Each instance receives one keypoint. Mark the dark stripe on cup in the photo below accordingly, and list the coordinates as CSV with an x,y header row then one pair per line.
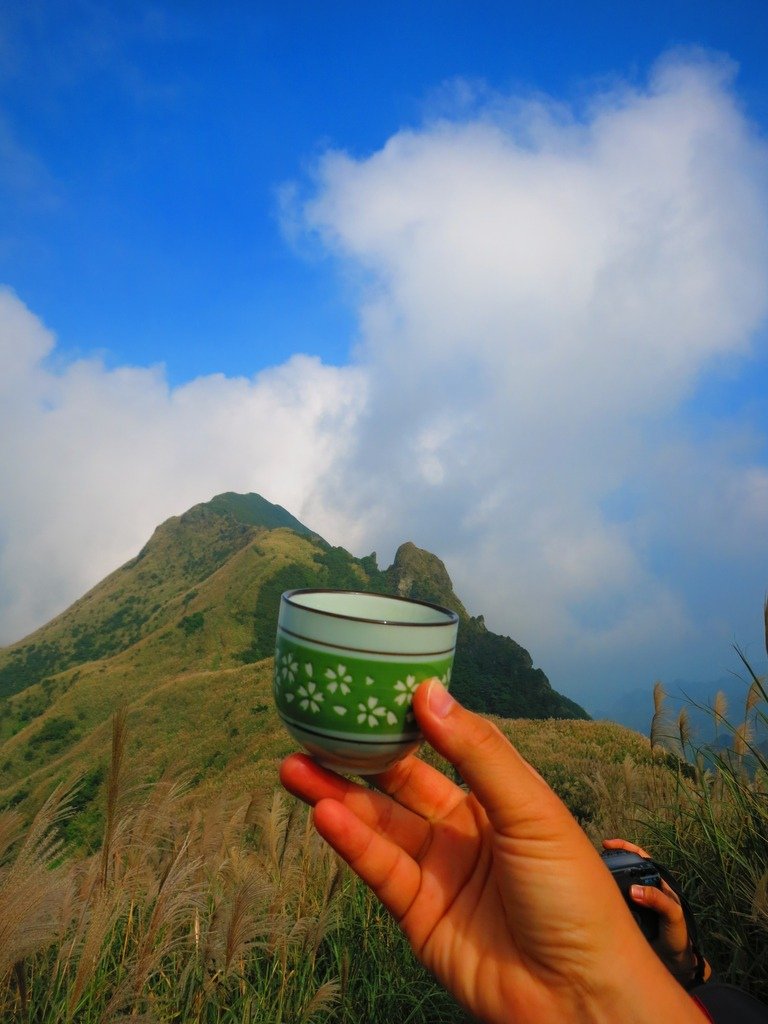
x,y
378,740
362,650
292,597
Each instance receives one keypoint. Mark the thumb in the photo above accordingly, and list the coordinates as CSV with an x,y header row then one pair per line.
x,y
513,794
664,905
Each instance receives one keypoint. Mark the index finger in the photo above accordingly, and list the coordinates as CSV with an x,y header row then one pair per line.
x,y
422,789
311,783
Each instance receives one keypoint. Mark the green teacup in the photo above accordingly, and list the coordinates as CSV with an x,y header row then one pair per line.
x,y
346,667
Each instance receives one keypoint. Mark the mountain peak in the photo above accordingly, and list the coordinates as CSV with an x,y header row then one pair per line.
x,y
421,575
253,510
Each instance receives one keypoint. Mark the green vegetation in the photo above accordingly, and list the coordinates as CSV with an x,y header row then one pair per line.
x,y
27,665
142,891
257,511
331,568
289,577
708,821
192,623
136,600
53,733
230,909
234,911
495,675
182,633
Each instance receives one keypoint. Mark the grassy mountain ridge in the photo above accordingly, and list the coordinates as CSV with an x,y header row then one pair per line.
x,y
183,635
492,673
129,604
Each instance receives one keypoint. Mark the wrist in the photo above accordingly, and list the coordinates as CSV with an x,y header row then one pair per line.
x,y
642,992
690,968
684,965
700,973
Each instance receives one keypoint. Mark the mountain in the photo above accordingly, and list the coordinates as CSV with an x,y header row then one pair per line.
x,y
183,635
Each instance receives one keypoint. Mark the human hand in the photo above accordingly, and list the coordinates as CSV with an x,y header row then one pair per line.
x,y
499,891
673,945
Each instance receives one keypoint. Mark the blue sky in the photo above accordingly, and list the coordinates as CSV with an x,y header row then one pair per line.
x,y
195,196
151,141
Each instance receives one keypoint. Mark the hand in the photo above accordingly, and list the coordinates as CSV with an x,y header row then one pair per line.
x,y
499,891
673,945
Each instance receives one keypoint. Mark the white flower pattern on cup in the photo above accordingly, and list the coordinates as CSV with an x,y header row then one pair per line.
x,y
405,690
372,712
312,698
338,679
288,668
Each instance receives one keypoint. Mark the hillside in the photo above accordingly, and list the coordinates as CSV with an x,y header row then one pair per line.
x,y
183,634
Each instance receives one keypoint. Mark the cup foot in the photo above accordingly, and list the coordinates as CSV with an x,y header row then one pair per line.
x,y
359,768
351,757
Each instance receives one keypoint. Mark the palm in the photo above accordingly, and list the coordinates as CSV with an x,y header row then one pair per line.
x,y
452,921
470,897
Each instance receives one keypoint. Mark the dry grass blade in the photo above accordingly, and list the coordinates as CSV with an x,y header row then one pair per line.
x,y
177,899
210,832
659,724
151,819
629,778
244,926
760,900
276,828
742,737
754,696
658,697
239,919
115,787
335,880
720,709
322,1001
103,915
32,891
684,727
11,824
130,1018
256,810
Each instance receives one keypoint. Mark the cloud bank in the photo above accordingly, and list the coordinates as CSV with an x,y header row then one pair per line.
x,y
542,294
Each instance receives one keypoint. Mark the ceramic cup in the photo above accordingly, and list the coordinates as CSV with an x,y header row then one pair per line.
x,y
346,668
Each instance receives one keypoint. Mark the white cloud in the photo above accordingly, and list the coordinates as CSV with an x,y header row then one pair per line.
x,y
93,459
541,293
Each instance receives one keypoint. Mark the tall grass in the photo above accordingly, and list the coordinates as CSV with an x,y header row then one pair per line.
x,y
707,819
231,912
236,912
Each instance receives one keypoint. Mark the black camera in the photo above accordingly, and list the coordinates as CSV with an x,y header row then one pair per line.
x,y
632,869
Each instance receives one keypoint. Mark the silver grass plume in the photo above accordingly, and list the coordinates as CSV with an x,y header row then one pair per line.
x,y
658,722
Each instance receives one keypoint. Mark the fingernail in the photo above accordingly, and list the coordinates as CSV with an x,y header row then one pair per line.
x,y
439,700
637,892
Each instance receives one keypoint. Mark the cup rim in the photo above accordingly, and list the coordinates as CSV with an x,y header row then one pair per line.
x,y
452,617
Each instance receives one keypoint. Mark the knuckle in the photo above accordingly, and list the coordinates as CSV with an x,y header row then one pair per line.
x,y
487,737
